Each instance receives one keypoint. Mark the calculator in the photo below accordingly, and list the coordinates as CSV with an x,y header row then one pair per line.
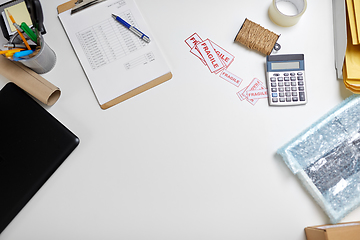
x,y
285,79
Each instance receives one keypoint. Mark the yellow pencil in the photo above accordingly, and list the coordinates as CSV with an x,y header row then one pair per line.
x,y
21,35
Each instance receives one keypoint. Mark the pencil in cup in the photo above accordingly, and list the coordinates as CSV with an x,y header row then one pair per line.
x,y
42,60
21,35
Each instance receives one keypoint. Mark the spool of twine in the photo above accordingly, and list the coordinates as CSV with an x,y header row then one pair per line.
x,y
255,37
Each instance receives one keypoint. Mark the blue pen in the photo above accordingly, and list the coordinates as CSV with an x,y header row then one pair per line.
x,y
133,29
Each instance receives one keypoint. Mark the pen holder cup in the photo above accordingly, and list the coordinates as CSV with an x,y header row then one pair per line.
x,y
43,61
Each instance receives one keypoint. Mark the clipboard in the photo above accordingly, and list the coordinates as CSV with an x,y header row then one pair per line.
x,y
133,92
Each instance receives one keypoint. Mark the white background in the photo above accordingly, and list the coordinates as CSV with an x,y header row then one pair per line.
x,y
187,159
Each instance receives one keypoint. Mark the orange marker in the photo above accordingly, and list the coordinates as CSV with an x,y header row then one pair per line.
x,y
20,34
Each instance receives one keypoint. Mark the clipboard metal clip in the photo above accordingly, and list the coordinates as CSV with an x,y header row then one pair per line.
x,y
82,4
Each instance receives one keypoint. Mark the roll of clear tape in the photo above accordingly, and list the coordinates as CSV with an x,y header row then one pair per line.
x,y
283,19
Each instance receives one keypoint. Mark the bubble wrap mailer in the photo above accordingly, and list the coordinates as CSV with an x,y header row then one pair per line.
x,y
326,159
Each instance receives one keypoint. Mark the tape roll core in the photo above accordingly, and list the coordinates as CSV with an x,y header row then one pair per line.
x,y
282,19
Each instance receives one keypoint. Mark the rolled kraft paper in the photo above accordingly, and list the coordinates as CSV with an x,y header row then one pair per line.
x,y
281,18
29,81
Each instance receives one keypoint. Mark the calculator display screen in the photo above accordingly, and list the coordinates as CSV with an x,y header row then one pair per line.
x,y
285,65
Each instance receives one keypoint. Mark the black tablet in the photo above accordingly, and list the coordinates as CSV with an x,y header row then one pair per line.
x,y
33,144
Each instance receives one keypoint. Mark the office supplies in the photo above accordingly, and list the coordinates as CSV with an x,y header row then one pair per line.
x,y
83,4
29,32
346,36
20,34
9,55
326,159
351,62
33,145
42,60
218,61
11,51
34,40
255,86
352,21
133,29
351,72
23,53
21,30
211,54
285,79
258,38
355,12
15,45
284,19
231,78
29,81
117,63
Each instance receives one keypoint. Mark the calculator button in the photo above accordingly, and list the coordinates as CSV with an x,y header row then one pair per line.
x,y
302,96
286,88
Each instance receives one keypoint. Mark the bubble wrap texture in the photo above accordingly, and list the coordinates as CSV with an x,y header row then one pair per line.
x,y
326,158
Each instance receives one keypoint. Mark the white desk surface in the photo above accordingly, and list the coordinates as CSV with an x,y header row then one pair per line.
x,y
187,159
